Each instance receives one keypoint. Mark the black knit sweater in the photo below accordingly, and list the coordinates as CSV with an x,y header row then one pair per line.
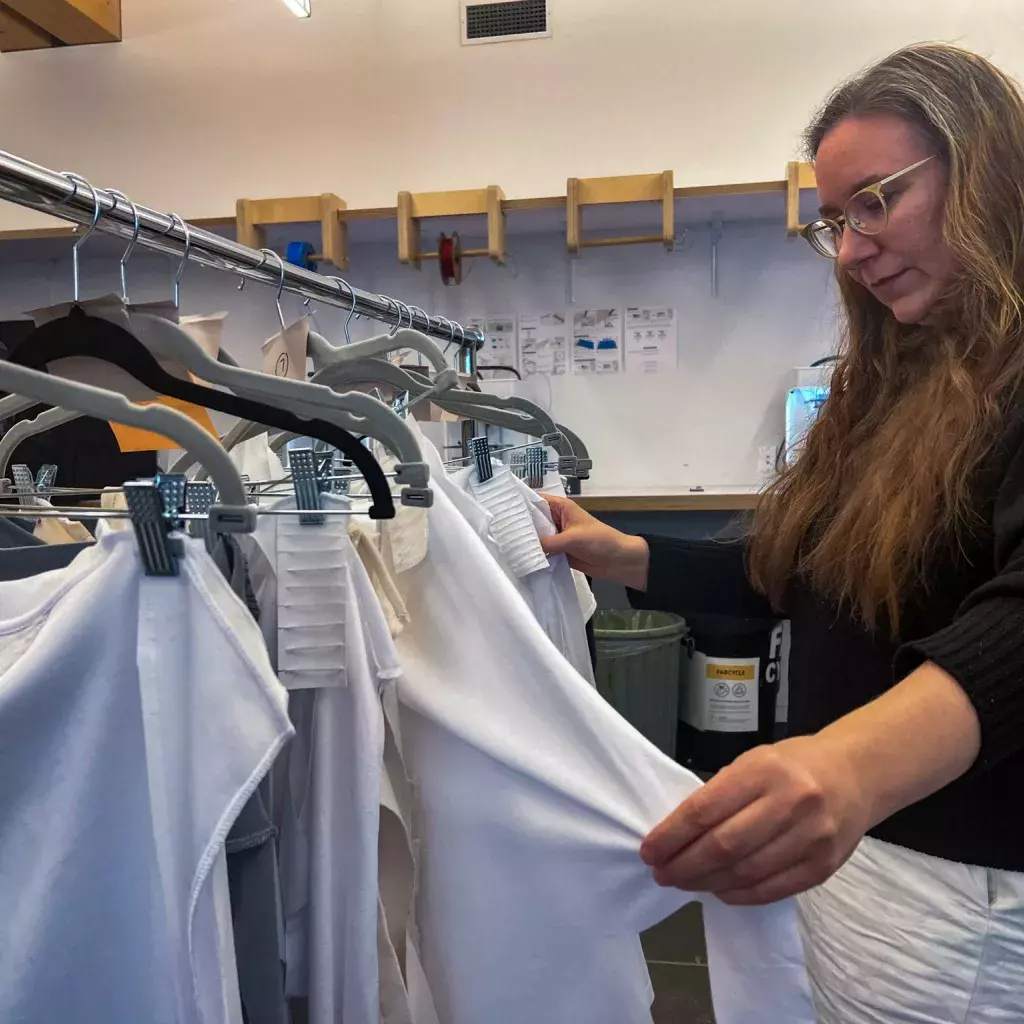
x,y
969,620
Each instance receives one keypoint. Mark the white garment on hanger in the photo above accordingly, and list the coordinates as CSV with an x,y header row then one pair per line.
x,y
588,603
137,715
322,617
551,591
533,796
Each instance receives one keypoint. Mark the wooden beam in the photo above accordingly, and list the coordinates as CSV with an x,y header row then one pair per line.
x,y
247,231
497,225
626,188
18,33
668,211
573,216
333,231
408,232
73,21
798,176
464,202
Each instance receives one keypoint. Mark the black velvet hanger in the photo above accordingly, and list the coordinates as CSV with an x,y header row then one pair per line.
x,y
78,334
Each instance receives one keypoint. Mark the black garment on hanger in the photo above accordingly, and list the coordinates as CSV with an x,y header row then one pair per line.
x,y
78,334
85,452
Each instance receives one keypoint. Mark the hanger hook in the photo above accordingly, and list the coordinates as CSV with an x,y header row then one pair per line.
x,y
392,302
421,311
280,287
187,232
408,312
451,328
137,227
76,180
263,259
351,312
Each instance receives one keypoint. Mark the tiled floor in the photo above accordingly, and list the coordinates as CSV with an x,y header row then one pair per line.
x,y
677,960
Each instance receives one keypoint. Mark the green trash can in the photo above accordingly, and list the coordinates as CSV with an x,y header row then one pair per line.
x,y
638,669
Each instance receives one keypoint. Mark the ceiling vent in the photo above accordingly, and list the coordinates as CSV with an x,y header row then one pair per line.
x,y
504,20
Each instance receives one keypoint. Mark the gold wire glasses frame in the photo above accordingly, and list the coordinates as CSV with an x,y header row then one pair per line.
x,y
866,211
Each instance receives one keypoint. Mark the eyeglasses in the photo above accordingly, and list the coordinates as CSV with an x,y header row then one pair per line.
x,y
866,211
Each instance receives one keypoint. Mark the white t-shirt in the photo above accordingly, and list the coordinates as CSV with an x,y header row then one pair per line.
x,y
533,796
338,850
137,715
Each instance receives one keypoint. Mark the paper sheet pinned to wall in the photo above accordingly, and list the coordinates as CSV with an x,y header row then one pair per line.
x,y
597,341
500,343
544,344
652,339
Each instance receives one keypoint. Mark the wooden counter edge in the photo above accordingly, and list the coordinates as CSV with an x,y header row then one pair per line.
x,y
684,501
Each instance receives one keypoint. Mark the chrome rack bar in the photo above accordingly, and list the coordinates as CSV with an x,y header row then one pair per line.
x,y
59,195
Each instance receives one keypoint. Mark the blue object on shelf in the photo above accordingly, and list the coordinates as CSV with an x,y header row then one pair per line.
x,y
300,254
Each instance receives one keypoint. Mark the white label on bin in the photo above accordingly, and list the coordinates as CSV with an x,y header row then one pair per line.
x,y
721,693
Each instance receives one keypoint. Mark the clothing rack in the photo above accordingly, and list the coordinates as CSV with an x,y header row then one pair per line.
x,y
71,198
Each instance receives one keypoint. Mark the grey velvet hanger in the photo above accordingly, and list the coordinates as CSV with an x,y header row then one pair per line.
x,y
231,514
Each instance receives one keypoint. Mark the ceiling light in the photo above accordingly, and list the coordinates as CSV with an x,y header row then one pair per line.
x,y
300,8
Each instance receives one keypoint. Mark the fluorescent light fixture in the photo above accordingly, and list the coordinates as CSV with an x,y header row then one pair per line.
x,y
300,8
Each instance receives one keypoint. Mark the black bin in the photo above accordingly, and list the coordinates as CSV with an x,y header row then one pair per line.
x,y
728,686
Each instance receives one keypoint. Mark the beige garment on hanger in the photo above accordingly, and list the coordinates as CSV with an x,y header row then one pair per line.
x,y
404,993
391,602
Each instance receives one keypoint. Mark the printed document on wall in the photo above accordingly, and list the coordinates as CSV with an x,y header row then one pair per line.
x,y
597,341
544,344
500,346
652,339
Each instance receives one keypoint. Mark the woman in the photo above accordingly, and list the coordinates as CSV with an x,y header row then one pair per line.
x,y
895,545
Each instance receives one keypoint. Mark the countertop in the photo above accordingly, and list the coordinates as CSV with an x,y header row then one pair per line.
x,y
673,498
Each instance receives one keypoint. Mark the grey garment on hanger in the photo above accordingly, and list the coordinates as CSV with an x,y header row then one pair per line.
x,y
254,882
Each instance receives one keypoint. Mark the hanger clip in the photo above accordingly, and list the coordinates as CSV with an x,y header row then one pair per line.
x,y
29,490
480,449
199,499
160,552
534,459
307,487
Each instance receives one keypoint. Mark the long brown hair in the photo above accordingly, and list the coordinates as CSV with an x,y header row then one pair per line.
x,y
885,476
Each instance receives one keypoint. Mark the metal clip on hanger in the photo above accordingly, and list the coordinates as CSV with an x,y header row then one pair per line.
x,y
27,489
307,487
480,449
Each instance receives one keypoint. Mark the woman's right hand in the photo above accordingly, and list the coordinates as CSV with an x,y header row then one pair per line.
x,y
594,548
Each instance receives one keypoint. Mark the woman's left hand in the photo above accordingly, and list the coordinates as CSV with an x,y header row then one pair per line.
x,y
778,820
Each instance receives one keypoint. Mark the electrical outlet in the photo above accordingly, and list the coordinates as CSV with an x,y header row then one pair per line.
x,y
766,460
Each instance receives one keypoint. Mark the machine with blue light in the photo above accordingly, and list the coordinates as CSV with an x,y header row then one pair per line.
x,y
803,401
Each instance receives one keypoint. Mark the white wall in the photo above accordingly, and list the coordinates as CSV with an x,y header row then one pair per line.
x,y
700,425
209,100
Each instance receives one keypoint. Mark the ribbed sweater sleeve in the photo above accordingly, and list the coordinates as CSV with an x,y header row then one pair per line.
x,y
699,577
983,647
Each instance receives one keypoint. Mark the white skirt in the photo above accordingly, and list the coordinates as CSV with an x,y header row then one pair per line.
x,y
897,937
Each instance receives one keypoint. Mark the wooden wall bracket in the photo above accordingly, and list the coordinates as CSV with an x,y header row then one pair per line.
x,y
626,188
415,206
62,22
799,175
18,33
252,216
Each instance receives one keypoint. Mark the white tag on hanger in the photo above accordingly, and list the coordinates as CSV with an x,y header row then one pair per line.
x,y
284,355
